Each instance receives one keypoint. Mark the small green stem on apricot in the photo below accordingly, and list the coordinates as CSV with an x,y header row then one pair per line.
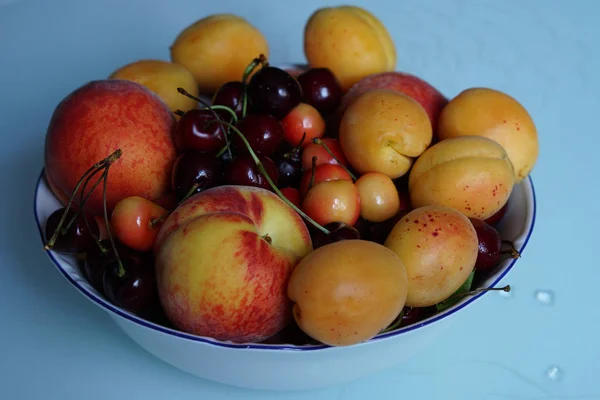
x,y
263,171
328,150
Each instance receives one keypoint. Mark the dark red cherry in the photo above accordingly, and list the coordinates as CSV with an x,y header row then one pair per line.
x,y
74,238
497,217
412,315
230,95
96,261
197,130
338,231
274,91
244,172
321,89
289,166
263,132
193,167
134,290
490,244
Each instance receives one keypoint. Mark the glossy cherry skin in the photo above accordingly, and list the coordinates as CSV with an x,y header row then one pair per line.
x,y
135,222
197,130
75,239
338,231
293,195
194,168
490,244
96,261
135,291
263,132
274,91
230,94
321,89
289,168
302,124
243,172
323,156
412,315
323,172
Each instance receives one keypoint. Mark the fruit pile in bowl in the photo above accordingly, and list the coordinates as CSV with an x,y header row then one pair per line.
x,y
284,226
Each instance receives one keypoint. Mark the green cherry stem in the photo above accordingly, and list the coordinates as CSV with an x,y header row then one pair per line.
x,y
152,223
263,171
321,143
261,59
121,271
472,292
313,168
82,201
229,110
99,165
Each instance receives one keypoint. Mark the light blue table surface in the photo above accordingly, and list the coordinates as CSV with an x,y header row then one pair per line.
x,y
54,344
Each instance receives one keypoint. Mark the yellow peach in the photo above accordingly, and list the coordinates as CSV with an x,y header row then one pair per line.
x,y
383,131
162,78
350,41
495,115
217,49
471,174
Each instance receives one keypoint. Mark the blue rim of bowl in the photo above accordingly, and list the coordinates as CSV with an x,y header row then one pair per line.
x,y
245,346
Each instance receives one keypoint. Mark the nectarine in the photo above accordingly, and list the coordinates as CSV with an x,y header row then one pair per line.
x,y
96,119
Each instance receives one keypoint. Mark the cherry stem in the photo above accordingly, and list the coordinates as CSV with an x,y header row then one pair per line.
x,y
472,292
312,172
512,251
121,270
82,201
296,149
153,222
99,165
328,150
179,113
263,171
229,110
261,59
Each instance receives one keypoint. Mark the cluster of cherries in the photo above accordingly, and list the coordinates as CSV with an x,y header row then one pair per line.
x,y
267,130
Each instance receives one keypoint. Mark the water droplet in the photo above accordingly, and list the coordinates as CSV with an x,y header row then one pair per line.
x,y
554,373
507,295
545,297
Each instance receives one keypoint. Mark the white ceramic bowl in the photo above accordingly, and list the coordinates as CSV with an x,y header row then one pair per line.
x,y
285,367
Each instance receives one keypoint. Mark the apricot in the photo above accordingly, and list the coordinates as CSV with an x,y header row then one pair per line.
x,y
384,131
497,116
379,199
217,49
439,247
471,174
163,78
350,41
347,292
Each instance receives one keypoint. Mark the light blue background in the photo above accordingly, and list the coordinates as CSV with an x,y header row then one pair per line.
x,y
54,344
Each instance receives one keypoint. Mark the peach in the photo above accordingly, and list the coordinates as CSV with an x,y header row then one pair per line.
x,y
439,247
497,116
332,201
384,131
223,261
163,78
347,292
350,41
217,49
429,97
379,198
471,174
96,119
